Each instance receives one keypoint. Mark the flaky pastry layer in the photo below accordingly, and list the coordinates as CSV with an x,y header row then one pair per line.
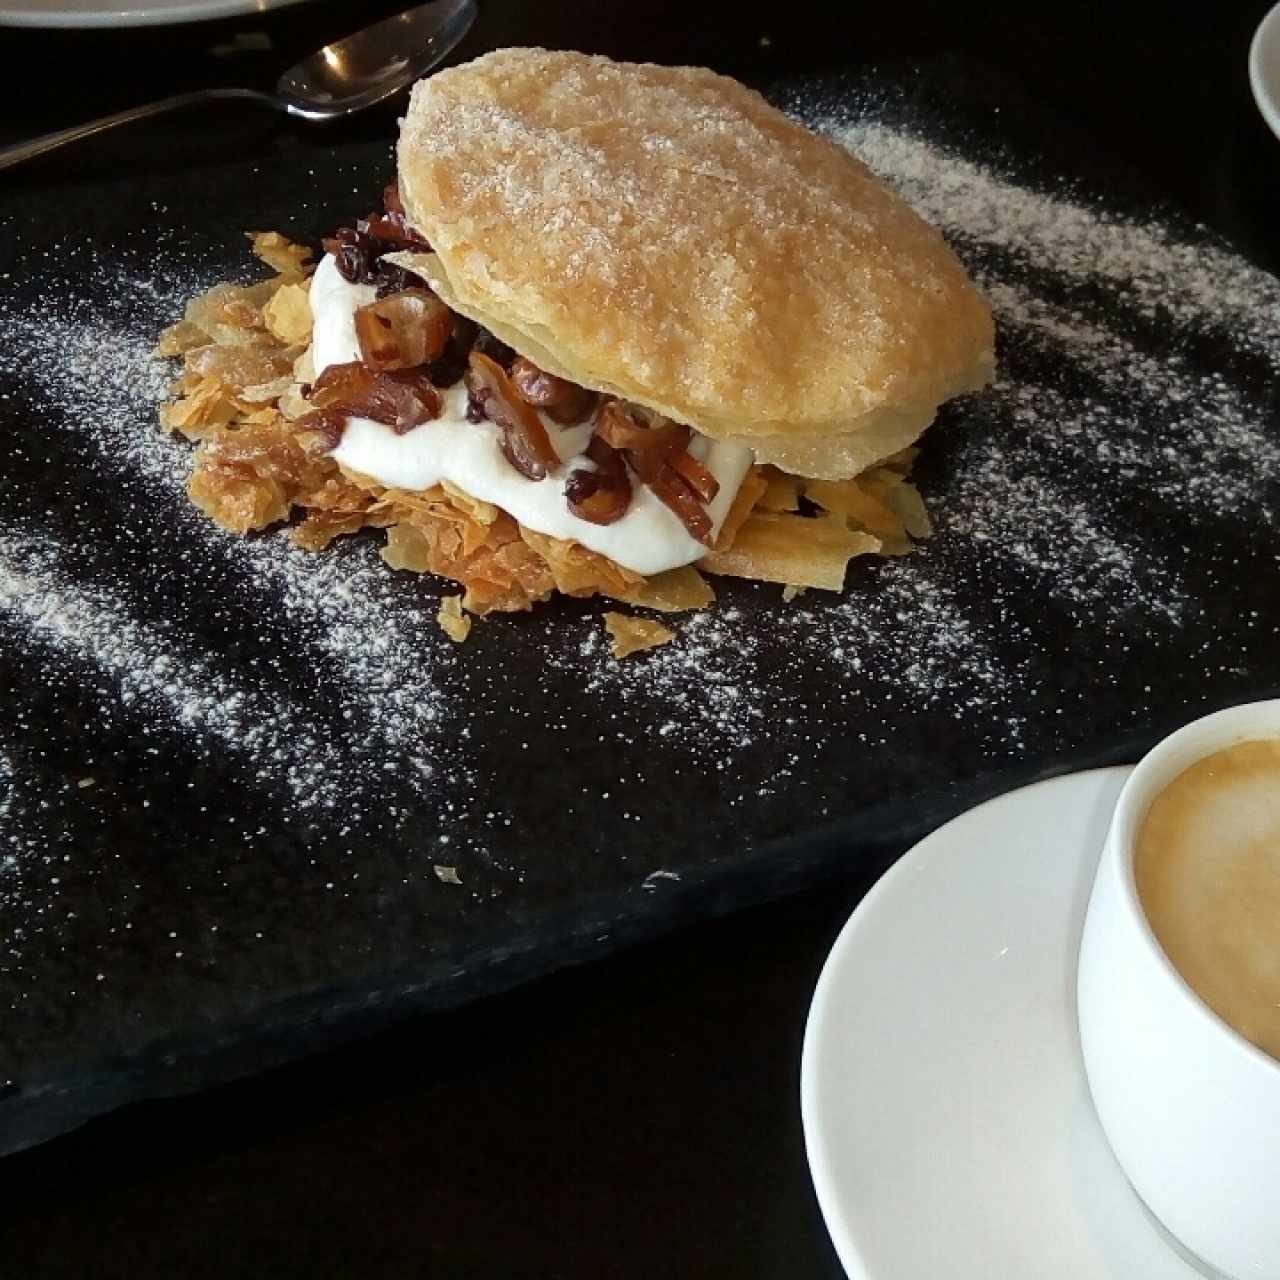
x,y
239,397
665,235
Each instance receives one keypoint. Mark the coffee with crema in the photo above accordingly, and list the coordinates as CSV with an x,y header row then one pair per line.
x,y
1207,863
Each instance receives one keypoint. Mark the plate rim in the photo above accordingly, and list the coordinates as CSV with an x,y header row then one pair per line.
x,y
1266,89
132,13
817,1150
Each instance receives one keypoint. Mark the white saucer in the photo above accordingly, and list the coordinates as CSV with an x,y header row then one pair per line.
x,y
125,13
1264,69
946,1113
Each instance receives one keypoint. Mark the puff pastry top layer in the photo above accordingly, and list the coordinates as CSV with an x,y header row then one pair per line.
x,y
664,234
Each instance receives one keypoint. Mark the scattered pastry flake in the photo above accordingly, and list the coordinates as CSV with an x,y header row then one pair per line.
x,y
881,502
453,621
500,571
909,506
782,492
676,591
180,337
629,635
481,512
231,314
237,368
235,497
754,486
790,592
447,875
280,254
577,571
208,406
849,501
293,404
795,550
304,369
506,567
288,314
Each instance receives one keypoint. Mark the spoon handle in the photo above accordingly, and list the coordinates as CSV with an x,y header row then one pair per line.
x,y
21,151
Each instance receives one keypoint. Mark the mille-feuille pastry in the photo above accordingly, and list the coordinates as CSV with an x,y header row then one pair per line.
x,y
617,324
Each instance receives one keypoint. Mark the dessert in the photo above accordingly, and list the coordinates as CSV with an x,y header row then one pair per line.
x,y
616,327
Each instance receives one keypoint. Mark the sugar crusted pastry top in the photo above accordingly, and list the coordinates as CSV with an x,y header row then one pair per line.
x,y
664,234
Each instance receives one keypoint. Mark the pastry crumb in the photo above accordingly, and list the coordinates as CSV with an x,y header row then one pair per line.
x,y
790,591
453,622
280,253
629,635
287,315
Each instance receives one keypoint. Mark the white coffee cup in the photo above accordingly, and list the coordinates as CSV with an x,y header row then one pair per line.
x,y
1190,1107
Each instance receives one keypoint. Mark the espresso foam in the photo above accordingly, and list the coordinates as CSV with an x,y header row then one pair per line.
x,y
1207,863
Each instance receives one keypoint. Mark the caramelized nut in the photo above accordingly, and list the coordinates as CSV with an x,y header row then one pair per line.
x,y
561,400
525,442
603,495
402,330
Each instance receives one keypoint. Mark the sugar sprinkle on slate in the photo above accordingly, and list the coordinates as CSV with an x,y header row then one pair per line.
x,y
321,682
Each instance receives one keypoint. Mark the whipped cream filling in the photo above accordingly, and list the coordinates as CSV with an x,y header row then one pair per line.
x,y
648,539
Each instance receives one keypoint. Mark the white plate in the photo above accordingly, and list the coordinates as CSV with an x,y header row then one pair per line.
x,y
1264,69
946,1113
125,13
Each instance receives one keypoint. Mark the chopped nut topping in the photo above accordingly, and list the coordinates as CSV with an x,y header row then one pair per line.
x,y
525,443
562,401
622,427
494,348
398,398
694,474
672,490
392,232
357,249
603,495
657,449
451,364
403,330
355,252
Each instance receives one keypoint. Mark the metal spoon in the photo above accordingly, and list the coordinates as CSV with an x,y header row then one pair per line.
x,y
338,80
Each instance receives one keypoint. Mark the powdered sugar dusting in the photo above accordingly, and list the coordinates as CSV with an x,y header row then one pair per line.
x,y
1071,545
97,380
1188,433
1131,353
158,674
1045,489
698,689
29,883
7,784
898,633
1160,271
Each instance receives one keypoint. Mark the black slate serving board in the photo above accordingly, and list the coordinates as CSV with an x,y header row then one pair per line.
x,y
229,773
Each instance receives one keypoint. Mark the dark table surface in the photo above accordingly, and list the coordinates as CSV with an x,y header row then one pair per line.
x,y
638,1117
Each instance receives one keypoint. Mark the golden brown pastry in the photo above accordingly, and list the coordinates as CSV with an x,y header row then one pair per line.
x,y
664,235
614,328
